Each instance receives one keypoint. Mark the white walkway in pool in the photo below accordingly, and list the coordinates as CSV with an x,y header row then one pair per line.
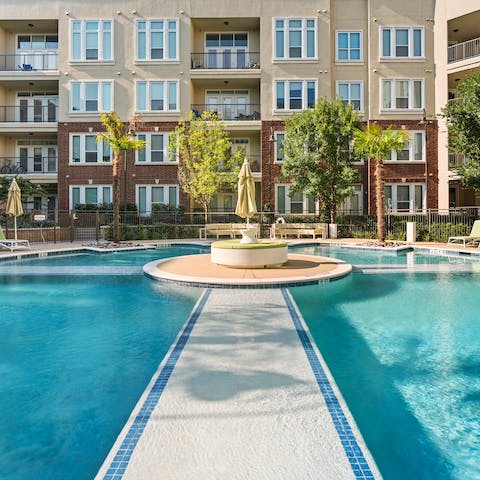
x,y
242,402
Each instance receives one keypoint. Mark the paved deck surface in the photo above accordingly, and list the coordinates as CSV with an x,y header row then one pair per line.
x,y
237,398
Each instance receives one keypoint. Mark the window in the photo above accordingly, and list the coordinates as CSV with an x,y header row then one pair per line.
x,y
150,195
405,197
349,46
91,40
298,203
402,42
88,97
84,149
414,151
295,38
157,148
157,96
351,93
91,194
37,42
402,94
353,204
157,39
279,153
295,94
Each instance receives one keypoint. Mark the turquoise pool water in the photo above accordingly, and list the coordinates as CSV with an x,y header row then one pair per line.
x,y
75,356
405,353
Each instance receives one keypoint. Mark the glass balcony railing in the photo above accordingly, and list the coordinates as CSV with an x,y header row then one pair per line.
x,y
464,50
227,60
239,111
28,62
34,164
29,113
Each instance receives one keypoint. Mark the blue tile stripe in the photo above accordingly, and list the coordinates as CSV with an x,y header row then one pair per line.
x,y
120,462
355,456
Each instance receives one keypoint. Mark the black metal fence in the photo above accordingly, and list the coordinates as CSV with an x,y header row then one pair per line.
x,y
91,225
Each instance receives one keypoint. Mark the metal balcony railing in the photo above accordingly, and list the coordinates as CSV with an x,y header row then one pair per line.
x,y
33,164
29,113
29,62
227,60
234,111
464,50
456,159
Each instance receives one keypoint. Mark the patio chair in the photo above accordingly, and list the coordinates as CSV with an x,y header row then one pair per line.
x,y
11,244
468,239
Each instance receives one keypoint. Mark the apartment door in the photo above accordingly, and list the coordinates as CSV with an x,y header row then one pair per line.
x,y
241,144
223,202
34,107
37,52
38,159
229,104
226,50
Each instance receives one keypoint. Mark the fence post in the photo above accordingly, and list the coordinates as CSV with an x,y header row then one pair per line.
x,y
55,226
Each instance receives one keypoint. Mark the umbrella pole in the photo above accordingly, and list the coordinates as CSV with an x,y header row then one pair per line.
x,y
15,225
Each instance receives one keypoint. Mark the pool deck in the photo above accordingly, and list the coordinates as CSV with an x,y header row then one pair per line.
x,y
242,394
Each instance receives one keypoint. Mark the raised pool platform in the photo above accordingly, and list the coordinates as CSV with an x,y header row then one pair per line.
x,y
199,271
243,394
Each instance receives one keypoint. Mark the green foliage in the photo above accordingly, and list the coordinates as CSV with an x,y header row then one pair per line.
x,y
28,189
155,231
317,157
206,163
463,120
117,135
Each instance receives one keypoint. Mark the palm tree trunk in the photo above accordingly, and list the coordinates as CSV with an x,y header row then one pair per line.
x,y
116,196
380,198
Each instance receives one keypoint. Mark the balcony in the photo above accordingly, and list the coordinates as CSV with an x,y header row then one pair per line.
x,y
226,60
29,62
231,112
34,165
29,113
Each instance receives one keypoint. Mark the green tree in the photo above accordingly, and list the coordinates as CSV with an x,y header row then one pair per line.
x,y
377,143
463,120
27,188
316,153
206,163
120,140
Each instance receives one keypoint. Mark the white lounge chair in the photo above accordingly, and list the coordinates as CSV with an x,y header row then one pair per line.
x,y
468,239
11,244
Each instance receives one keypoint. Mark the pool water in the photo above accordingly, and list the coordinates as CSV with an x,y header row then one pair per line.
x,y
75,356
404,350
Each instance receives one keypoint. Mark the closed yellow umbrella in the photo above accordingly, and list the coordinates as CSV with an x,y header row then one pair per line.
x,y
246,205
14,203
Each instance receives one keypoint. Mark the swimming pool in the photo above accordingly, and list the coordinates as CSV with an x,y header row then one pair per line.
x,y
401,348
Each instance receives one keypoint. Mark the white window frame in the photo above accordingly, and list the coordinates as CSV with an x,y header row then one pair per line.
x,y
393,97
288,200
83,36
393,43
348,60
394,207
82,193
83,161
166,44
411,148
83,99
165,96
168,157
287,93
286,44
349,99
276,146
346,206
166,192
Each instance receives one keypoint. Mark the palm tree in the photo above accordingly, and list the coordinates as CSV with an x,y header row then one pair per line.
x,y
120,140
377,143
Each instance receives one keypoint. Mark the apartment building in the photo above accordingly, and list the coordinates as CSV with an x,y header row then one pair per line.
x,y
254,62
457,31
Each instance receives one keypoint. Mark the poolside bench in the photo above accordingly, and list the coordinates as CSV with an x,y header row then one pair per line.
x,y
298,229
230,229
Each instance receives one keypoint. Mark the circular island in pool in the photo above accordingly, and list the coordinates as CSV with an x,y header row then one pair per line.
x,y
262,254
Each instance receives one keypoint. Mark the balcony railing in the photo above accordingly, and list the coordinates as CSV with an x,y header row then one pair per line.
x,y
227,60
33,164
239,111
29,62
29,113
255,162
464,50
456,159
